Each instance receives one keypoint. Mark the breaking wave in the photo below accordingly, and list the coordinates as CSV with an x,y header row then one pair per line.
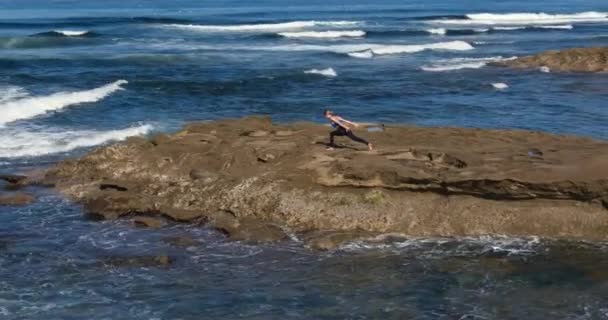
x,y
71,33
10,93
500,86
29,107
439,31
462,63
293,25
64,33
525,18
329,72
28,144
368,51
324,34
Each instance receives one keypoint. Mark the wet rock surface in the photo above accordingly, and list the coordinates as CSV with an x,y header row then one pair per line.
x,y
16,199
136,261
252,179
570,60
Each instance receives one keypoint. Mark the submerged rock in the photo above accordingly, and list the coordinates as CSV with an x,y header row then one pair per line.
x,y
247,229
417,182
149,222
569,60
137,262
16,199
182,241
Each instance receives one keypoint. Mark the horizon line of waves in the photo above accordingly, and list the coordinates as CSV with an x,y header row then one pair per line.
x,y
463,63
328,72
525,18
16,144
280,26
33,106
330,34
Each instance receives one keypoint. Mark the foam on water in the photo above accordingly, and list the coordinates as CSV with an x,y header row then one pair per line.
x,y
293,25
462,63
439,31
442,247
366,54
368,51
29,107
526,18
329,72
324,34
500,86
9,93
564,27
362,50
72,33
21,143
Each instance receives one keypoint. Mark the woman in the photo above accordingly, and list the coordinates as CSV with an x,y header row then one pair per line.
x,y
343,128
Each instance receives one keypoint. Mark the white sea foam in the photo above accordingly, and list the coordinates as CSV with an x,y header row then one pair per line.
x,y
72,33
366,54
9,93
439,31
564,27
329,72
500,85
20,143
368,51
462,63
293,25
508,28
324,34
29,107
526,18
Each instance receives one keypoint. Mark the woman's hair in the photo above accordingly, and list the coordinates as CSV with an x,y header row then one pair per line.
x,y
327,111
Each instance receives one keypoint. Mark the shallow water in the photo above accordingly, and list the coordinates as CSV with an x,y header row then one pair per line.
x,y
60,95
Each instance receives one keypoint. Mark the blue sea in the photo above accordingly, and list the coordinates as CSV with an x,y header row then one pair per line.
x,y
75,75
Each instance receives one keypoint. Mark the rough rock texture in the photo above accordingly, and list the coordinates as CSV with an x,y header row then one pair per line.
x,y
248,177
16,199
570,60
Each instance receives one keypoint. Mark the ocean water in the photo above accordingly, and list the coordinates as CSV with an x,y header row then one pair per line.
x,y
79,74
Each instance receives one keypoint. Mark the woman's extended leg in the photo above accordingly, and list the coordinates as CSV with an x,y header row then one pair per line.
x,y
353,137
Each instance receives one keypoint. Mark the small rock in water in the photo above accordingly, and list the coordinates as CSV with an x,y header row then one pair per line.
x,y
16,199
181,241
149,222
139,261
500,85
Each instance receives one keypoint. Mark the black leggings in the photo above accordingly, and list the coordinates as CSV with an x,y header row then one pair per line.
x,y
340,132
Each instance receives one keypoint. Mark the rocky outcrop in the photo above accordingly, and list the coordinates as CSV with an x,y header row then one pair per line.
x,y
570,60
256,181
